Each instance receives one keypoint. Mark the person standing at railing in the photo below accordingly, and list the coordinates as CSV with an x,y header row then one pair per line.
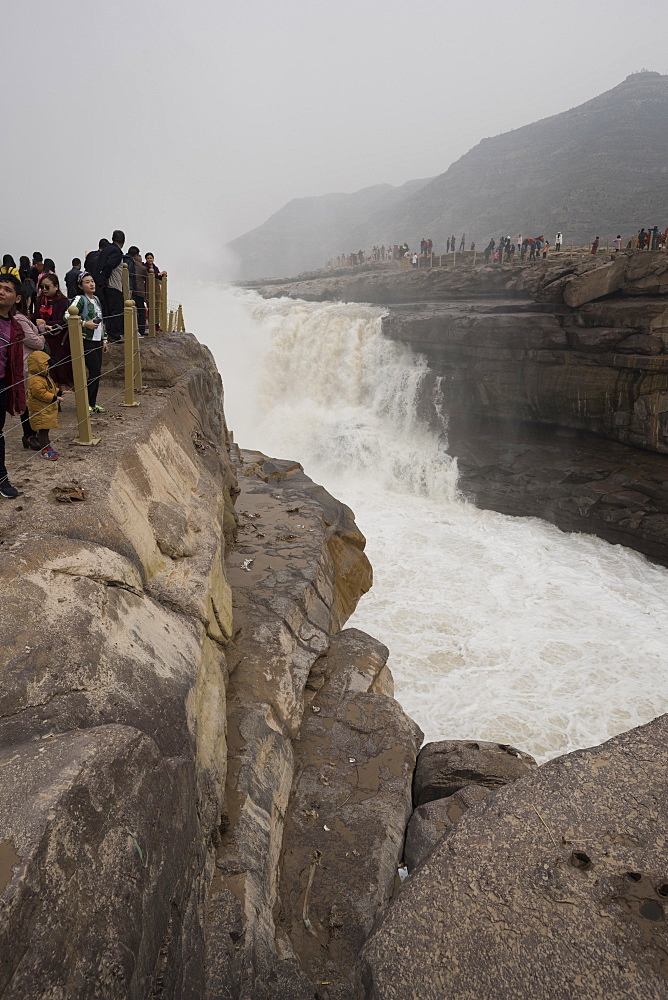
x,y
95,335
108,276
594,246
12,390
159,275
32,341
558,240
138,275
50,310
453,242
462,243
617,243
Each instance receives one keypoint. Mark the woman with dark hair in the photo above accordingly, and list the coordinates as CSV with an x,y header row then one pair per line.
x,y
50,312
9,266
48,268
94,333
28,286
32,341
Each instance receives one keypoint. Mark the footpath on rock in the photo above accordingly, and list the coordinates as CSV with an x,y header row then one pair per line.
x,y
553,376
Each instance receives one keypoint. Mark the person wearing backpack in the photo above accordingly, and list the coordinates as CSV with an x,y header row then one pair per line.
x,y
108,278
95,335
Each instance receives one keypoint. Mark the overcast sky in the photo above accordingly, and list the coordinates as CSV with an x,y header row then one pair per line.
x,y
189,123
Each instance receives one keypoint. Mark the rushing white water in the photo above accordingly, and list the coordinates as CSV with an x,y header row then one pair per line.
x,y
499,628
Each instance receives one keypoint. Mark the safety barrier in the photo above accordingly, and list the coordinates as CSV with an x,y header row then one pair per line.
x,y
158,318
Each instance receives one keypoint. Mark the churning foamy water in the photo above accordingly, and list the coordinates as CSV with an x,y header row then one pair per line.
x,y
499,628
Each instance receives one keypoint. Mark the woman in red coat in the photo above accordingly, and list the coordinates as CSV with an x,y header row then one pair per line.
x,y
51,320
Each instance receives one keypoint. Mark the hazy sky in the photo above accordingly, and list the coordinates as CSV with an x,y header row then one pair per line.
x,y
188,123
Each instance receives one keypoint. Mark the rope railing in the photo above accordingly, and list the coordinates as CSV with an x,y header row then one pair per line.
x,y
162,315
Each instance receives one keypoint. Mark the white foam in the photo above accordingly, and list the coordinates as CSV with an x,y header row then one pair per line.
x,y
499,628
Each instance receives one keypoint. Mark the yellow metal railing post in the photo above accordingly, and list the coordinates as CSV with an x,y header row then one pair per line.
x,y
136,353
150,284
170,321
180,326
128,352
163,303
74,330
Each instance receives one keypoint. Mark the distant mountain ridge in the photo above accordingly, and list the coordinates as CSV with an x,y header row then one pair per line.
x,y
597,169
301,234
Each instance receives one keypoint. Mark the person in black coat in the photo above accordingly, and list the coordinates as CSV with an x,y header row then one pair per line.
x,y
108,275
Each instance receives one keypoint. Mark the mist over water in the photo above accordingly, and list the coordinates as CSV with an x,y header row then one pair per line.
x,y
499,628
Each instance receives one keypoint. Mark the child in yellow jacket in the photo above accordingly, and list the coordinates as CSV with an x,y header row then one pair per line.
x,y
42,399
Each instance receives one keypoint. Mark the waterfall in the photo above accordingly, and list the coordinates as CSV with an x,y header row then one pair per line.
x,y
499,628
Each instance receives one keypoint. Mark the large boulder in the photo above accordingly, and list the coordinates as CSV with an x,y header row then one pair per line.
x,y
95,869
595,282
432,821
297,572
445,767
553,887
351,799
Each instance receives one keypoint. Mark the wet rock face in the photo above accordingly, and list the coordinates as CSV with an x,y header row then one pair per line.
x,y
350,802
558,880
446,767
297,572
450,777
431,821
115,614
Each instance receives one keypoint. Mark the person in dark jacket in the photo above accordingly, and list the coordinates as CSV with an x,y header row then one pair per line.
x,y
92,255
72,278
108,276
12,387
138,274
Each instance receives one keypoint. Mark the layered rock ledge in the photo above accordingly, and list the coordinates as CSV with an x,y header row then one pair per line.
x,y
177,694
553,376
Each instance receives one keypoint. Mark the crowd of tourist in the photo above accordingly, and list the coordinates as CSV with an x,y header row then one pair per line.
x,y
35,355
503,250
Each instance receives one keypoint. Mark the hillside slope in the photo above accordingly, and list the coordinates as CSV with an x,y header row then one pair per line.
x,y
597,169
301,234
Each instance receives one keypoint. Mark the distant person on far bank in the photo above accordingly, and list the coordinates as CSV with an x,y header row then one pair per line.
x,y
72,277
519,242
453,242
108,277
594,246
414,260
617,243
462,243
558,239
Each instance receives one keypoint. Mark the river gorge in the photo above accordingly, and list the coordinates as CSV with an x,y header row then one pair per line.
x,y
499,628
